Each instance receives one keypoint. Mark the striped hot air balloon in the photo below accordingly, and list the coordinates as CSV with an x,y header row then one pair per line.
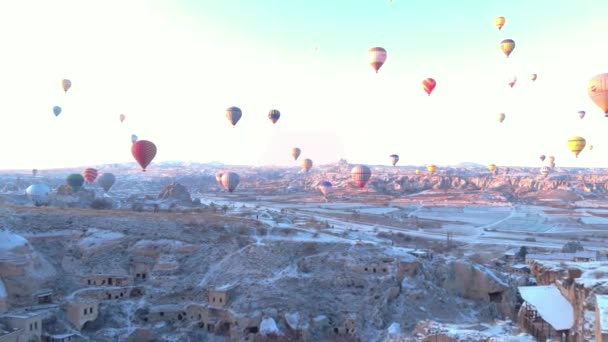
x,y
89,174
507,46
274,115
428,85
360,174
377,57
143,151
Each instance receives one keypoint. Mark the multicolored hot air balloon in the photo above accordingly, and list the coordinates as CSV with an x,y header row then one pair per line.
x,y
394,159
75,181
230,181
295,153
133,138
274,115
233,114
428,85
90,174
581,114
507,46
122,117
431,168
499,22
143,151
218,177
501,117
306,164
376,57
66,85
533,77
324,187
576,144
542,157
360,174
597,89
39,194
56,110
106,180
512,81
545,171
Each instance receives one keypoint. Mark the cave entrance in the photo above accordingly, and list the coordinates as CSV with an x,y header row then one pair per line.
x,y
495,297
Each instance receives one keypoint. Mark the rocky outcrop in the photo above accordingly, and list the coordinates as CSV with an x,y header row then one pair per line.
x,y
176,192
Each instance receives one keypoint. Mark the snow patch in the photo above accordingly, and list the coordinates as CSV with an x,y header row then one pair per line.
x,y
394,329
10,240
97,237
269,326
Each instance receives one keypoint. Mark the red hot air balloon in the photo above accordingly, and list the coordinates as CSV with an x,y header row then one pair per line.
x,y
376,57
360,174
428,85
143,151
89,174
122,117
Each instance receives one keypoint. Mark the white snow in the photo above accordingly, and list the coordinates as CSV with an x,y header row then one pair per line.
x,y
394,329
98,237
10,241
550,304
269,326
602,309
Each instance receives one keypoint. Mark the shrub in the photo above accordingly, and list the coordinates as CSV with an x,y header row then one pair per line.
x,y
100,203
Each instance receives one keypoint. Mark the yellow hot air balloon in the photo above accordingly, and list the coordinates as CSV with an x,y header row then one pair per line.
x,y
431,168
597,89
492,168
533,77
295,153
507,46
501,117
500,22
306,164
590,147
576,144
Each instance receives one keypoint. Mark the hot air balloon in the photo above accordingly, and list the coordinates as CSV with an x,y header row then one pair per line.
x,y
233,114
394,159
576,144
542,157
230,181
324,187
133,138
431,168
295,153
499,22
545,171
56,110
39,194
218,177
306,164
428,85
66,85
274,115
377,57
551,159
106,180
507,46
533,77
360,174
122,117
501,117
143,151
597,89
512,81
590,147
581,114
492,168
75,181
89,174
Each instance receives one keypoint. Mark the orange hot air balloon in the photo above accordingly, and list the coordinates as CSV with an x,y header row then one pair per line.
x,y
122,117
507,46
143,151
306,164
533,77
89,174
432,168
376,57
428,85
500,22
360,174
597,89
66,85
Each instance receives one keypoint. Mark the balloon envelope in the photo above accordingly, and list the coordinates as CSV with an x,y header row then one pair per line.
x,y
394,159
576,144
230,181
431,168
106,180
499,22
542,157
324,187
233,114
89,174
507,46
501,117
143,151
533,77
75,181
376,57
428,85
597,89
122,117
295,153
66,85
274,115
545,170
360,174
581,114
39,194
218,177
133,138
56,110
306,164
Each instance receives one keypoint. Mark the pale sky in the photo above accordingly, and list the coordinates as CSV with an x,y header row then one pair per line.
x,y
173,67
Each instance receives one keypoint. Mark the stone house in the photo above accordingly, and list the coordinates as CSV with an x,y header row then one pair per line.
x,y
106,280
81,311
219,296
347,328
25,326
165,313
67,337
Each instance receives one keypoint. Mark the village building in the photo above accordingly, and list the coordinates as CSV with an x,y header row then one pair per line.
x,y
141,271
44,296
347,328
601,318
545,313
219,296
580,256
26,326
81,311
67,337
521,269
106,280
166,313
